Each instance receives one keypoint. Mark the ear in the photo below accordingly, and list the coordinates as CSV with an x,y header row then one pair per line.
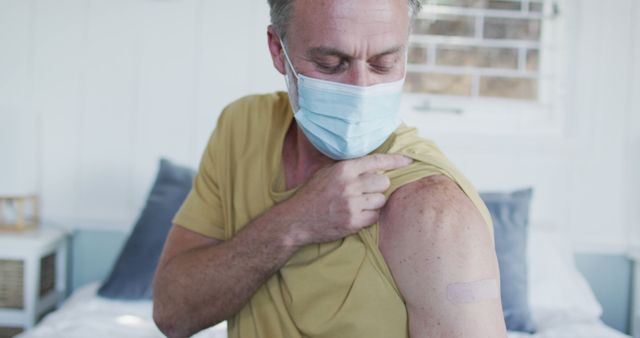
x,y
275,49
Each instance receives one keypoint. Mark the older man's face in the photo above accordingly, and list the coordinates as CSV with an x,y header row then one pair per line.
x,y
359,42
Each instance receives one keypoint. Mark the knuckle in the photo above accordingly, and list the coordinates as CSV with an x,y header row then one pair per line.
x,y
385,182
337,176
379,159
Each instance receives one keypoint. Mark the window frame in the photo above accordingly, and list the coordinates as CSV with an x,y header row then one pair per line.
x,y
452,114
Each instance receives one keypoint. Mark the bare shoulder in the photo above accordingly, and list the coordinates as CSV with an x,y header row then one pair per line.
x,y
433,237
435,206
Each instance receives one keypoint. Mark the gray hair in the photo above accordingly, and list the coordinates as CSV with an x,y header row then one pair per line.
x,y
281,13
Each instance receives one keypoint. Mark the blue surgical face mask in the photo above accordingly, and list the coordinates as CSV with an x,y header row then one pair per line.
x,y
344,121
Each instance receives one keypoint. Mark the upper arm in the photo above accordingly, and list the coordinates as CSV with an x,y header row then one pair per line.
x,y
433,238
202,211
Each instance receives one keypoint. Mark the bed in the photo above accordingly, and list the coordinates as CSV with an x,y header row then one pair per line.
x,y
562,304
542,290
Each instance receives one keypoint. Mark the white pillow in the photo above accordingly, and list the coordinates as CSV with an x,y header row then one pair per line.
x,y
557,290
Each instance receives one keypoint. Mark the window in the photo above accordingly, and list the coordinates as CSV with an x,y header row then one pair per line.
x,y
485,58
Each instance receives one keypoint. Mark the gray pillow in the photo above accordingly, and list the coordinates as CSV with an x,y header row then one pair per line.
x,y
132,275
510,214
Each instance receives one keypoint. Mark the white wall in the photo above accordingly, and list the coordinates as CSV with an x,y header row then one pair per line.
x,y
97,90
633,135
18,134
602,108
92,92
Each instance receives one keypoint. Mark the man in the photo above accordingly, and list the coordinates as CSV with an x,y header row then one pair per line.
x,y
317,214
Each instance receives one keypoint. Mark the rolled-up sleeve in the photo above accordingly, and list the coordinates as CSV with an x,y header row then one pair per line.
x,y
202,210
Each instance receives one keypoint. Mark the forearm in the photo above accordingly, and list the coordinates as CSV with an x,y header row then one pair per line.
x,y
206,285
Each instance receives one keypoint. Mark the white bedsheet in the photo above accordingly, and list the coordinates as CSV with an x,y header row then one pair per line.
x,y
572,329
87,315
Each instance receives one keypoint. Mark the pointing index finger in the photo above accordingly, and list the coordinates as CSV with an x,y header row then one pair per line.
x,y
382,162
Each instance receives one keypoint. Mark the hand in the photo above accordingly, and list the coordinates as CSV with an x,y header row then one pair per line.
x,y
341,199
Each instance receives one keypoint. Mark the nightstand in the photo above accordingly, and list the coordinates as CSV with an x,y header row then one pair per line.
x,y
32,275
635,290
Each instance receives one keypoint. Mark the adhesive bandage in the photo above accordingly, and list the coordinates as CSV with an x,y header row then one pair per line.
x,y
460,293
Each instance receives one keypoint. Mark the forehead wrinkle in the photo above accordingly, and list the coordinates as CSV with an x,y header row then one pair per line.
x,y
326,50
374,34
353,30
350,9
366,20
364,23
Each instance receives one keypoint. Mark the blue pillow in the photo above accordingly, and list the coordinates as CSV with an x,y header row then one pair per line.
x,y
132,274
510,214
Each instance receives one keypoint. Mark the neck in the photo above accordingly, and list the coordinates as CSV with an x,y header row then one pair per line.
x,y
301,158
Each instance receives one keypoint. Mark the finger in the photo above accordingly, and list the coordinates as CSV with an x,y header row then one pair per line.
x,y
369,202
380,162
368,217
372,183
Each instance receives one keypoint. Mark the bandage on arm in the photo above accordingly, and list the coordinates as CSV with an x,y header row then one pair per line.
x,y
442,259
472,292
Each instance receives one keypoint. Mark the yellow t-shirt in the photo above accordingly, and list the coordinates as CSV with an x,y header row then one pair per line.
x,y
337,289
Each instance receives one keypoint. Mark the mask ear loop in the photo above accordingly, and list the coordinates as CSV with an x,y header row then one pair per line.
x,y
406,63
293,92
286,56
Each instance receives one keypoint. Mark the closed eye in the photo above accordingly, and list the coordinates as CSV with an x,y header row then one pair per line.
x,y
382,69
332,68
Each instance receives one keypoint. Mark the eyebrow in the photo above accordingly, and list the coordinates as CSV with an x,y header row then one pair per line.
x,y
331,51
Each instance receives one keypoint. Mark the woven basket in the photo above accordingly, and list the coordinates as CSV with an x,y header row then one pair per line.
x,y
11,293
8,332
11,281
